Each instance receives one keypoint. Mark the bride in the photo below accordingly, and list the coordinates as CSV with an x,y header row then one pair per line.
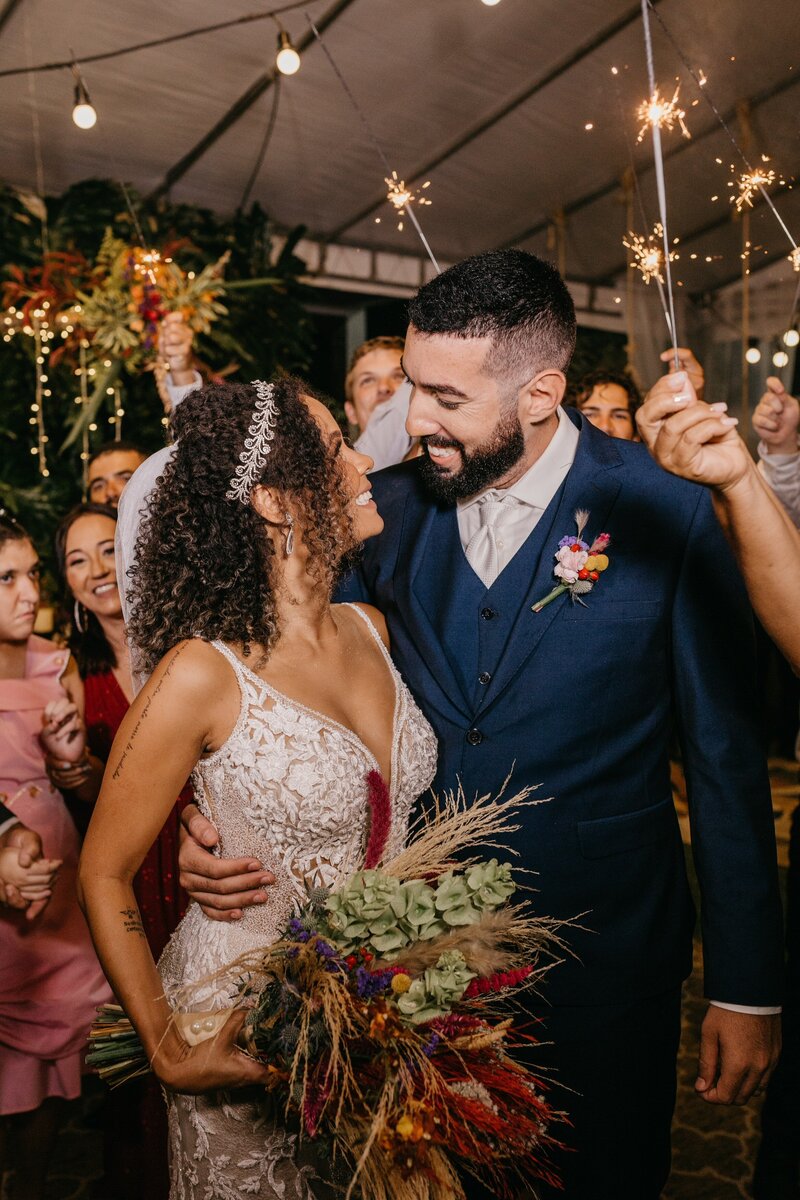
x,y
281,704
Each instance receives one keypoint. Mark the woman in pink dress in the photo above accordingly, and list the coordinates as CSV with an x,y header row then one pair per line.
x,y
50,979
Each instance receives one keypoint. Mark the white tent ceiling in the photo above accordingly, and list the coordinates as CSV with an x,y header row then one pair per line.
x,y
489,103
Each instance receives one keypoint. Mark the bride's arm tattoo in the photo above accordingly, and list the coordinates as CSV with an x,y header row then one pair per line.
x,y
143,715
132,921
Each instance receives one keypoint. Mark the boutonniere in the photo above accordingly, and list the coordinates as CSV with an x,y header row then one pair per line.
x,y
578,564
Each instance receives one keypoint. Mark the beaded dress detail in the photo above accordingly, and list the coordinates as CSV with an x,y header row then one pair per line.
x,y
288,787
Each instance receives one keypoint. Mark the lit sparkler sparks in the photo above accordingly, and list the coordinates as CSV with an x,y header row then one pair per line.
x,y
794,258
666,114
401,196
648,256
750,183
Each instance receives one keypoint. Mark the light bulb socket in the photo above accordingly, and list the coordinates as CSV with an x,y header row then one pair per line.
x,y
287,59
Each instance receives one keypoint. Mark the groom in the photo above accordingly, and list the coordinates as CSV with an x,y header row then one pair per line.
x,y
581,698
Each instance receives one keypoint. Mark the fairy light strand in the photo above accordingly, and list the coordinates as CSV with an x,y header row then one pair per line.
x,y
660,185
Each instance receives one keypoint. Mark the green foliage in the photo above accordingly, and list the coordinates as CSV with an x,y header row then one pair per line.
x,y
266,326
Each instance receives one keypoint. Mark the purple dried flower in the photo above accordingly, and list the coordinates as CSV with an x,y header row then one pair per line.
x,y
431,1044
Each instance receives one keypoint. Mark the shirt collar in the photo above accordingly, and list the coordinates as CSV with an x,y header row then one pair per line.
x,y
542,480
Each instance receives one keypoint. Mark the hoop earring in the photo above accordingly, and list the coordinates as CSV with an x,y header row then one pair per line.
x,y
289,547
78,618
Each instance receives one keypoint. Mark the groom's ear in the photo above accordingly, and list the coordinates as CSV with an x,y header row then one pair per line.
x,y
268,504
541,396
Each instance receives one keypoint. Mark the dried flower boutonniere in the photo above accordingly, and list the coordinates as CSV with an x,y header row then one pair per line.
x,y
578,564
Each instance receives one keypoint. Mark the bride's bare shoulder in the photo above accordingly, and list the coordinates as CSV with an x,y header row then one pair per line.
x,y
194,668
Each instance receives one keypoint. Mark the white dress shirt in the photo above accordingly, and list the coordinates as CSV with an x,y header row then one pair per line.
x,y
525,501
385,439
782,473
132,504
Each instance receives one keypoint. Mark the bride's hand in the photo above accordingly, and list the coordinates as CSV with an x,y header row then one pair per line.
x,y
215,1063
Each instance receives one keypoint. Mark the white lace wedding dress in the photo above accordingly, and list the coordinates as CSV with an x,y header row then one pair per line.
x,y
290,788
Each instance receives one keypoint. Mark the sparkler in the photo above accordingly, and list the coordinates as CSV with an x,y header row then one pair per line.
x,y
398,195
648,257
750,184
401,196
701,81
658,113
668,301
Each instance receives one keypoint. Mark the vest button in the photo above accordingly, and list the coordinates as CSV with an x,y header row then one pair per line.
x,y
484,677
474,737
488,613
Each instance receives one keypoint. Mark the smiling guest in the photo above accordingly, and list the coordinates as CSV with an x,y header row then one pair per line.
x,y
609,399
85,555
109,470
373,377
87,565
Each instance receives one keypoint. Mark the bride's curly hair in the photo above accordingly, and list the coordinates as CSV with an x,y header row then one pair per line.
x,y
205,564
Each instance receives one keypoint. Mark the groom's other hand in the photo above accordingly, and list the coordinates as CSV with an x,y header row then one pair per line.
x,y
738,1053
223,887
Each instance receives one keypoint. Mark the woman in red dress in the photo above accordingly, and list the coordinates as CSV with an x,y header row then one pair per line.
x,y
85,555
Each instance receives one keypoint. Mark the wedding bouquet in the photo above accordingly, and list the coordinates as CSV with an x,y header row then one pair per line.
x,y
379,1016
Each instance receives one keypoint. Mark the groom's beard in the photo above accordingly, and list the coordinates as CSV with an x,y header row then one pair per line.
x,y
480,469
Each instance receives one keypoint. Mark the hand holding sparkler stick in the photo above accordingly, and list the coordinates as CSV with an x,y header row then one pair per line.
x,y
688,363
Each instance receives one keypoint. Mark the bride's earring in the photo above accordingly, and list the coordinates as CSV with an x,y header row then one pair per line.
x,y
78,618
289,547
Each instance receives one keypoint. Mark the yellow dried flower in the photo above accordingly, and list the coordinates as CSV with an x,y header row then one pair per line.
x,y
400,984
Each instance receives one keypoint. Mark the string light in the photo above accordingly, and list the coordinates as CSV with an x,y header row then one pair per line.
x,y
401,196
753,355
662,114
287,60
83,111
780,358
648,257
490,3
791,337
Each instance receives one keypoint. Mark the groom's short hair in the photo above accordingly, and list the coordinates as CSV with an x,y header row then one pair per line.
x,y
518,300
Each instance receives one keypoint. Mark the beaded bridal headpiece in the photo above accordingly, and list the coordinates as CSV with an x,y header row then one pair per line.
x,y
256,444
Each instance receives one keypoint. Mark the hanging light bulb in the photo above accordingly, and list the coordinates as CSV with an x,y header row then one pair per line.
x,y
287,59
83,112
491,3
791,337
780,358
753,355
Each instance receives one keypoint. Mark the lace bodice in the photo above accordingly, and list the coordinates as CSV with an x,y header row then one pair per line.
x,y
289,787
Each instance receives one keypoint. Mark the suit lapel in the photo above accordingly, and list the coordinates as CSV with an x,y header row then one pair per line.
x,y
592,484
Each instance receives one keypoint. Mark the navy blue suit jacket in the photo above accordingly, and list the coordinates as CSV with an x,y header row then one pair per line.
x,y
581,700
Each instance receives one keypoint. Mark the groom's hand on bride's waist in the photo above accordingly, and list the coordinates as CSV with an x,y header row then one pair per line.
x,y
223,887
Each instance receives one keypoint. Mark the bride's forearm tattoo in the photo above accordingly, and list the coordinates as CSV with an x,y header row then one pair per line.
x,y
131,921
143,715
